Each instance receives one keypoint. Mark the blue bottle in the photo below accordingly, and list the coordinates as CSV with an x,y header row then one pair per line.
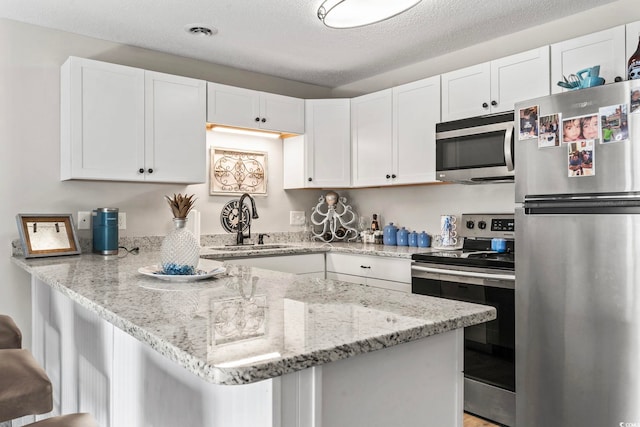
x,y
424,240
389,234
402,237
105,231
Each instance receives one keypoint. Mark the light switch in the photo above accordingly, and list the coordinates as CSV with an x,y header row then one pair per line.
x,y
296,218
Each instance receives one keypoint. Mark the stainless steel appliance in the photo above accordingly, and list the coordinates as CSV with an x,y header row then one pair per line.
x,y
578,294
477,274
475,150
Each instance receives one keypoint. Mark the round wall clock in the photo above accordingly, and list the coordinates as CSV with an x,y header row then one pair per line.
x,y
229,217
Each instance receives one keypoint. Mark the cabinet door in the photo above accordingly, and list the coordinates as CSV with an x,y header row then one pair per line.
x,y
605,48
328,142
233,106
416,110
281,113
175,137
371,138
101,121
466,92
519,77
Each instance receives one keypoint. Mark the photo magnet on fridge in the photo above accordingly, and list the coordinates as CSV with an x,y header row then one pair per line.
x,y
580,128
614,123
549,131
581,159
528,123
635,101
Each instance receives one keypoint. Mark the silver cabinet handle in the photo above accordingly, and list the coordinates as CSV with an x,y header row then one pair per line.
x,y
510,277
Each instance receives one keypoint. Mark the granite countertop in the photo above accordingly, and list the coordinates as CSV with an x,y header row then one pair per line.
x,y
249,324
297,248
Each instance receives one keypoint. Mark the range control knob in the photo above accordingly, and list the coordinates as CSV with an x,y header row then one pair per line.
x,y
482,225
470,224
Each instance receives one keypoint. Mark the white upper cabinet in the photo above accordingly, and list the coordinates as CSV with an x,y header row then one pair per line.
x,y
495,86
416,110
246,108
605,48
175,134
322,156
371,138
393,134
127,124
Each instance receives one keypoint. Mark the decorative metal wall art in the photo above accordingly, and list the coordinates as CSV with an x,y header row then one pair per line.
x,y
237,171
335,220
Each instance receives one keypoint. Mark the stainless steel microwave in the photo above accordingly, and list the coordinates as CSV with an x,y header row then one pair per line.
x,y
476,150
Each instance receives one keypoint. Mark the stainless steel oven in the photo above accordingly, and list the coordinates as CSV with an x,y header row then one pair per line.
x,y
476,150
479,275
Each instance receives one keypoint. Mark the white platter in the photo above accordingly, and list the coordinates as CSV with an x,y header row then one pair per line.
x,y
156,272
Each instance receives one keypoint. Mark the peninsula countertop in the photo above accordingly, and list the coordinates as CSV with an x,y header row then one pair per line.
x,y
248,324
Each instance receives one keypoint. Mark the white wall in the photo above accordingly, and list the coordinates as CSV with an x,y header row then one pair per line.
x,y
30,58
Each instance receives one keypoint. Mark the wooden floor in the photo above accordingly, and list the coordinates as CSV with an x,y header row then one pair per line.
x,y
471,421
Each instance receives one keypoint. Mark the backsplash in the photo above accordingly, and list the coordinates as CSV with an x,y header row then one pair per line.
x,y
153,243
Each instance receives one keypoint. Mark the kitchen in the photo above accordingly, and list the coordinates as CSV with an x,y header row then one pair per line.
x,y
31,60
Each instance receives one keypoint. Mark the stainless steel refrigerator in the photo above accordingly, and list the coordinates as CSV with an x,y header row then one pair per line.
x,y
578,258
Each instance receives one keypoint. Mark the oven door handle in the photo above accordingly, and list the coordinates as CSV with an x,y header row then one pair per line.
x,y
459,273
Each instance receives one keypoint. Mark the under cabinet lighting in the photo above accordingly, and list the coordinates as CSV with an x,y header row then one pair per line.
x,y
238,131
358,13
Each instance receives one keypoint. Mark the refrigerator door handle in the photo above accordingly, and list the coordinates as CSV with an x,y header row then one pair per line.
x,y
508,149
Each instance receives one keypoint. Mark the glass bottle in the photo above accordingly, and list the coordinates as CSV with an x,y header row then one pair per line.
x,y
374,223
180,252
634,64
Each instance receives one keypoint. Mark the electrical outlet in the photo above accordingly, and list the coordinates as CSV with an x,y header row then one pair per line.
x,y
296,218
84,220
122,220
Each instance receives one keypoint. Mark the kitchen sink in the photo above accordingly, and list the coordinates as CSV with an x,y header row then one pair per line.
x,y
248,247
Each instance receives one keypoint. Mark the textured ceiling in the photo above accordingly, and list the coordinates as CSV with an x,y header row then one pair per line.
x,y
284,38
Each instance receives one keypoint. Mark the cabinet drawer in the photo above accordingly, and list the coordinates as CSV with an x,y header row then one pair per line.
x,y
396,269
296,264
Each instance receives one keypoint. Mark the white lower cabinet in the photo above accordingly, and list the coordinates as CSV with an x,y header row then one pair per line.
x,y
309,265
381,272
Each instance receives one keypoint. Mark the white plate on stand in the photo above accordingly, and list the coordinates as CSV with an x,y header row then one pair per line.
x,y
156,272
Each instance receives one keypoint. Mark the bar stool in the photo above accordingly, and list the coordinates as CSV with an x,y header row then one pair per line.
x,y
10,335
72,420
25,388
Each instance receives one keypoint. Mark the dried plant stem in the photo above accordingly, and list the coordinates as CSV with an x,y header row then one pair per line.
x,y
180,205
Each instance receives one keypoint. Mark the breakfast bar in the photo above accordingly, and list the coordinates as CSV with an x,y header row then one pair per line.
x,y
245,347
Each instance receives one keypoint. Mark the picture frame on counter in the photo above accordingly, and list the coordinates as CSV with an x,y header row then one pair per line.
x,y
45,235
234,172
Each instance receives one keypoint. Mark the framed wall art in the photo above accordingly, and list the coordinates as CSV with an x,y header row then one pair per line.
x,y
234,172
47,235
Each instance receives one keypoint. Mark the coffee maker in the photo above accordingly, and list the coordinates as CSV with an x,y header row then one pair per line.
x,y
105,231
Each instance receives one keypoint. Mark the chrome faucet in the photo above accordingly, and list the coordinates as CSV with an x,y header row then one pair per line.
x,y
254,214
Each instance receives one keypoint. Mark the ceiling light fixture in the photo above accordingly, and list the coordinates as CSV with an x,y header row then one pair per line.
x,y
358,13
200,30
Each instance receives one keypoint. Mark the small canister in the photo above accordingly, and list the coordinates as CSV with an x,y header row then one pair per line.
x,y
413,239
424,240
390,234
402,237
105,231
